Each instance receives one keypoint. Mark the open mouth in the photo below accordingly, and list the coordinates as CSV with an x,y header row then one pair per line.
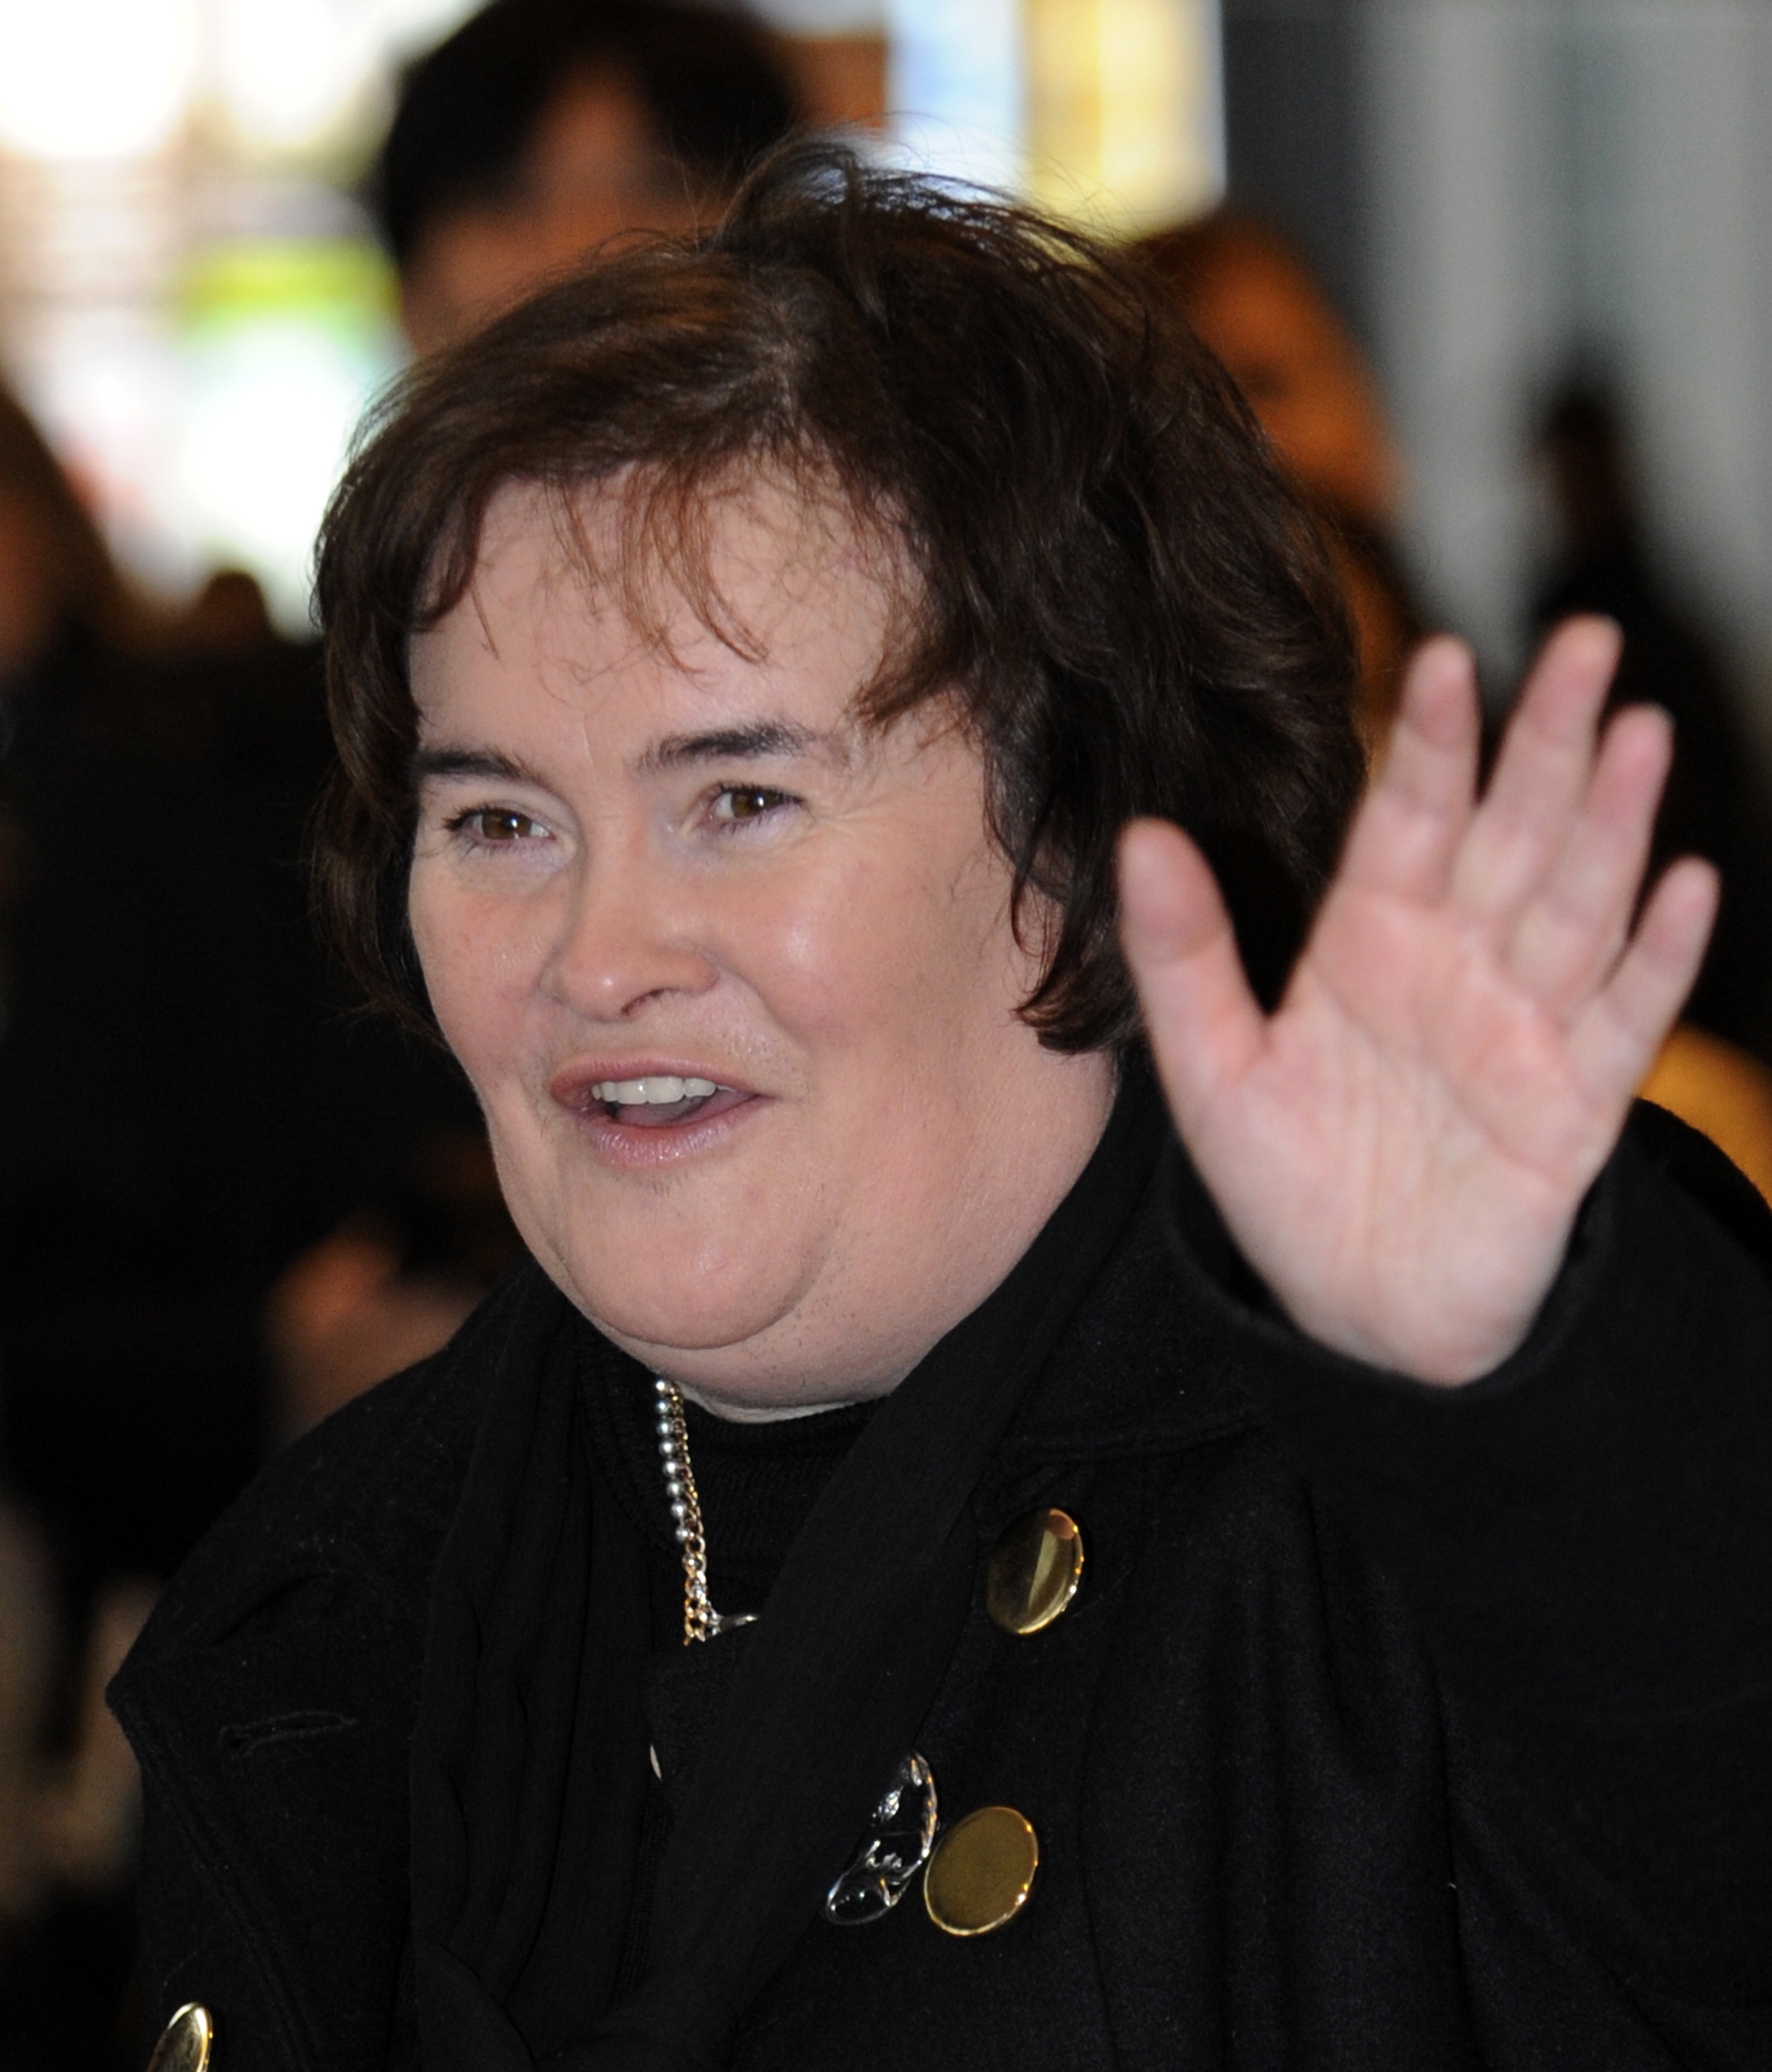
x,y
661,1099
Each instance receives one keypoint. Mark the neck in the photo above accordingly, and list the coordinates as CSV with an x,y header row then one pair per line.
x,y
749,1413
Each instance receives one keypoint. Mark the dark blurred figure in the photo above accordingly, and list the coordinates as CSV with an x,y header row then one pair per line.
x,y
66,1785
183,1105
57,580
229,617
542,128
1252,299
1715,804
184,1108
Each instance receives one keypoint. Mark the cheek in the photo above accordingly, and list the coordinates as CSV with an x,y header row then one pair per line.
x,y
867,955
478,958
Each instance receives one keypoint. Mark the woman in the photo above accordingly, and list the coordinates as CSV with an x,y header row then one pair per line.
x,y
908,1576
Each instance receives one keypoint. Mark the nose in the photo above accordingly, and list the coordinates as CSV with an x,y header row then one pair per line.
x,y
627,938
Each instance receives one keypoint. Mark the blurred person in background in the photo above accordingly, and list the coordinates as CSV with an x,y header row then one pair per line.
x,y
59,586
1253,298
69,624
1250,295
1716,803
542,129
182,1110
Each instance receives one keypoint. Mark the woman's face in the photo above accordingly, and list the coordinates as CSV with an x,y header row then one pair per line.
x,y
732,974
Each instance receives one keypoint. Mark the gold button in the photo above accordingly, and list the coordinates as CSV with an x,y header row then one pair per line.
x,y
185,2042
1035,1571
982,1871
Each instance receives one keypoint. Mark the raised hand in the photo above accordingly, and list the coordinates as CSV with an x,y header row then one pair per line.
x,y
1400,1148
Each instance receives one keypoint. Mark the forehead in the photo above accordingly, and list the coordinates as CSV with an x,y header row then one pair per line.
x,y
757,590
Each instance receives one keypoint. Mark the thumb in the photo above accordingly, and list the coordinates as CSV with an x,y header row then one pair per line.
x,y
1206,1027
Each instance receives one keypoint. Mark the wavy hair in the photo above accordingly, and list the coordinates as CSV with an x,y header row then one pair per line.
x,y
1098,560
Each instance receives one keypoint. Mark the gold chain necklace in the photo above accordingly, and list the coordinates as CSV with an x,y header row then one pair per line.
x,y
700,1620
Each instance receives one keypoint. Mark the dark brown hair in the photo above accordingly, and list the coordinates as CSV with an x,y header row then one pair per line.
x,y
1103,568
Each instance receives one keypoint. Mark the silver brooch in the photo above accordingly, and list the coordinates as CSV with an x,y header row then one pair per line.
x,y
901,1833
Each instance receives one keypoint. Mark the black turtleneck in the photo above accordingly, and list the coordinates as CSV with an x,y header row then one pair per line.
x,y
756,1483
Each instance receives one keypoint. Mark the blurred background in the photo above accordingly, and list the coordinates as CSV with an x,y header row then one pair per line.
x,y
195,307
1495,275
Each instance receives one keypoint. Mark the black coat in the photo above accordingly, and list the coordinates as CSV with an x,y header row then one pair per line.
x,y
1391,1726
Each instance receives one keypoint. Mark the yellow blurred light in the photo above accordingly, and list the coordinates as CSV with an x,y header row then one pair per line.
x,y
95,79
1123,108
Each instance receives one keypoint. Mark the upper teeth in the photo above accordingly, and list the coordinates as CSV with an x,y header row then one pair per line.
x,y
659,1088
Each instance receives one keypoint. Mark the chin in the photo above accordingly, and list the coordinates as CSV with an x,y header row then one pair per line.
x,y
690,1311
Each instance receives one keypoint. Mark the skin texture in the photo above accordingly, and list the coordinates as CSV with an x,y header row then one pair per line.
x,y
601,891
1401,1149
594,169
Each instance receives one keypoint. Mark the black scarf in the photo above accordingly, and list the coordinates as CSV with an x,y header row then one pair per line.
x,y
532,1706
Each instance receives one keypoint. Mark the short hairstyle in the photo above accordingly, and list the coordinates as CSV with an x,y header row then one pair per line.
x,y
711,82
1104,569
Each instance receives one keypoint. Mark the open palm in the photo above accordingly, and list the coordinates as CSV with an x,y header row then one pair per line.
x,y
1402,1148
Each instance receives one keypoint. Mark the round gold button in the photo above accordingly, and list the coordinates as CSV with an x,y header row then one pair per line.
x,y
1035,1571
982,1871
185,2042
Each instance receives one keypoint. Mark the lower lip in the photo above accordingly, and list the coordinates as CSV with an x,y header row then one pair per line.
x,y
638,1144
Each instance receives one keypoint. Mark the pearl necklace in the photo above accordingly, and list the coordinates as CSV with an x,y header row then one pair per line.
x,y
700,1620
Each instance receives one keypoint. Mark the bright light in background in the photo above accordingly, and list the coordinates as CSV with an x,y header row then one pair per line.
x,y
286,69
107,396
269,413
289,72
204,391
1125,122
283,346
201,392
955,84
95,79
1111,110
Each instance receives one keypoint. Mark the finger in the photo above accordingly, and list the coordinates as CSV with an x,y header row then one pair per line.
x,y
1205,1025
1570,936
1616,1039
1408,831
1541,777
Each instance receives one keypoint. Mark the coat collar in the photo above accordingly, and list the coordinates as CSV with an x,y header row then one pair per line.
x,y
1158,1356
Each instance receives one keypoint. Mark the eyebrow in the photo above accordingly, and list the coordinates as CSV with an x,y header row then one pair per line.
x,y
675,752
760,737
466,763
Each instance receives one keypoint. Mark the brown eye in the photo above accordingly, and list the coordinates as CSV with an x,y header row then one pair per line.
x,y
747,801
499,824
